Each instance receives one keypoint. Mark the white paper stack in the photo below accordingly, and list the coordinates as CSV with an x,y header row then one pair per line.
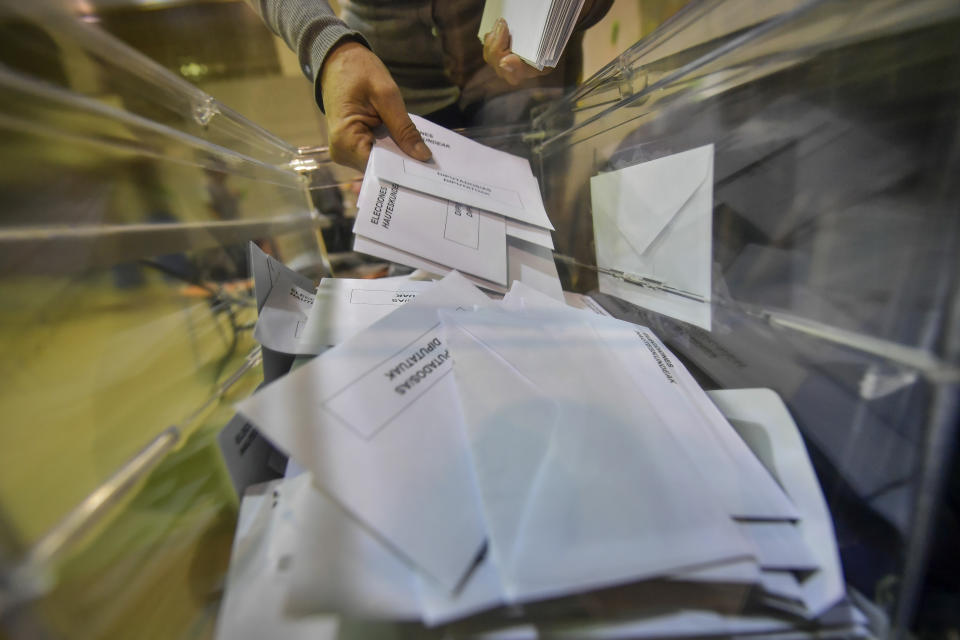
x,y
471,208
493,460
539,29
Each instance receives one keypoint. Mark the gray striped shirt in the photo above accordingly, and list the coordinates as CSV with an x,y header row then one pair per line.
x,y
430,46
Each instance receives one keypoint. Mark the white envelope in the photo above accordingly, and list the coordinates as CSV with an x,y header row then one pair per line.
x,y
522,296
779,546
654,220
482,591
283,315
266,272
762,420
465,171
528,262
346,306
375,419
331,563
453,234
606,505
253,606
744,488
529,233
508,447
781,584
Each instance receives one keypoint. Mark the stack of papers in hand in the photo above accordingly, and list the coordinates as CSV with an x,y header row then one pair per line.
x,y
494,460
654,221
471,208
539,29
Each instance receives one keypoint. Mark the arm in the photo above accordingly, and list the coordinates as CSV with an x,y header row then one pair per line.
x,y
360,95
352,85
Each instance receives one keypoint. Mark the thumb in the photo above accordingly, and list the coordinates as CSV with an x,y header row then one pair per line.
x,y
393,113
497,42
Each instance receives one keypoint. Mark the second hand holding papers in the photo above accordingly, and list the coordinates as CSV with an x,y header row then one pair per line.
x,y
456,423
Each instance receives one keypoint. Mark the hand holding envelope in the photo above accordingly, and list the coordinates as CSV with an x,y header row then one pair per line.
x,y
473,209
464,171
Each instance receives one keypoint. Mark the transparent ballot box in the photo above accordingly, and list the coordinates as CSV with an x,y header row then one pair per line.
x,y
769,187
824,265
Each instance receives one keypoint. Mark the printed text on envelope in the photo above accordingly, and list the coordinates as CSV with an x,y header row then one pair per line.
x,y
371,401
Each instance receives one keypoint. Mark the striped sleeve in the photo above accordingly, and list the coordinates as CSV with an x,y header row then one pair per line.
x,y
310,28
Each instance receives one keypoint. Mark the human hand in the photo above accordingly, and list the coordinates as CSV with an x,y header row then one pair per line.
x,y
358,96
509,66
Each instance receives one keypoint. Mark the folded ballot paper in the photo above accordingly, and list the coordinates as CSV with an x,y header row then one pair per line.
x,y
471,208
496,460
539,29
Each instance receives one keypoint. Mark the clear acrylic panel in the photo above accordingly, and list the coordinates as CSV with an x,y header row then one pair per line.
x,y
835,131
129,194
129,197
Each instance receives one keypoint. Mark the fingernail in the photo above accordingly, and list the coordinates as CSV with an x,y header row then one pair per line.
x,y
421,150
506,66
501,25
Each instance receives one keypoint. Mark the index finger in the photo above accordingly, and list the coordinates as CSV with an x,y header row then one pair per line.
x,y
393,113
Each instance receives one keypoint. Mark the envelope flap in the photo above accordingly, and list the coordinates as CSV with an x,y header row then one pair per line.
x,y
509,422
655,192
267,270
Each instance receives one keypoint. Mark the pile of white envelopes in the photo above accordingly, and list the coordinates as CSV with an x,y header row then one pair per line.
x,y
491,462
